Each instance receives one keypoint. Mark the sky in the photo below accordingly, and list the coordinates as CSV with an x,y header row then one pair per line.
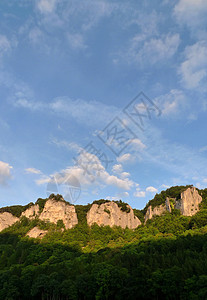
x,y
102,99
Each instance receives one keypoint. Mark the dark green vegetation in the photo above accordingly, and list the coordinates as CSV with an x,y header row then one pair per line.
x,y
164,259
16,210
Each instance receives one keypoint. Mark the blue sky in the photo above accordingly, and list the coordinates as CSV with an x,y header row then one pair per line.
x,y
68,70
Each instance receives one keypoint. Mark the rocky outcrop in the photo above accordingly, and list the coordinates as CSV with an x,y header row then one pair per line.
x,y
59,210
189,202
110,213
31,212
36,232
156,211
6,220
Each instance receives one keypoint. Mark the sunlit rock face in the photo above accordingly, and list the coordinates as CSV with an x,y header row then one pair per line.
x,y
59,210
6,220
36,232
189,202
31,212
156,211
110,213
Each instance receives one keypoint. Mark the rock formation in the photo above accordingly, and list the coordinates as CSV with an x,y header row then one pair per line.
x,y
6,220
189,202
156,211
59,210
31,212
36,232
110,213
107,213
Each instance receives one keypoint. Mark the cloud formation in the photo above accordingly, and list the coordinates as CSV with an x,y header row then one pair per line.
x,y
5,173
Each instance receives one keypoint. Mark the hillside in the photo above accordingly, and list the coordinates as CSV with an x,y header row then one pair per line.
x,y
162,258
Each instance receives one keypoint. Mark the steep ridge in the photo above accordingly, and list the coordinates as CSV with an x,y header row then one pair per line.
x,y
109,213
186,199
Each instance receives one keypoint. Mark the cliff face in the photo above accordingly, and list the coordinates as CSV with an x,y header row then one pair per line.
x,y
31,212
36,233
6,220
156,211
189,202
108,213
59,210
52,212
111,214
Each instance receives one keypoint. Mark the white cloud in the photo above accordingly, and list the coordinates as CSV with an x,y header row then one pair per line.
x,y
117,168
118,196
192,13
89,172
71,146
138,145
78,109
5,173
139,194
33,171
124,158
151,189
193,70
46,6
172,103
153,50
164,186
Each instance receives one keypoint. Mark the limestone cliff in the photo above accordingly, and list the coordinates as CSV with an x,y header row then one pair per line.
x,y
189,202
52,212
59,210
6,220
31,212
156,211
36,232
110,213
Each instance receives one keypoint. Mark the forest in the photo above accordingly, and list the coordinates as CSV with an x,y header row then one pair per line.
x,y
164,259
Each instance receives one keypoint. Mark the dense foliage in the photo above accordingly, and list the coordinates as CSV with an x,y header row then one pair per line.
x,y
164,259
16,210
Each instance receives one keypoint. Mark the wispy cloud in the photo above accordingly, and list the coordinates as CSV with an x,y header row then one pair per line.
x,y
156,49
193,70
192,14
172,104
33,171
5,173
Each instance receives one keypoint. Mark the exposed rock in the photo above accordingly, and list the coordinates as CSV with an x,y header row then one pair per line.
x,y
6,220
168,204
59,210
36,232
156,211
189,202
31,212
109,213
